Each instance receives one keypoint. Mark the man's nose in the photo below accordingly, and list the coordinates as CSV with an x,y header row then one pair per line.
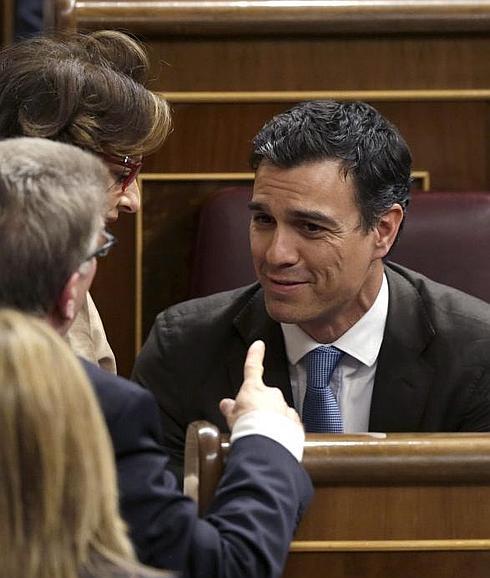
x,y
282,250
130,200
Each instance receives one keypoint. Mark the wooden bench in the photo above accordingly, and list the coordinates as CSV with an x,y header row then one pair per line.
x,y
385,506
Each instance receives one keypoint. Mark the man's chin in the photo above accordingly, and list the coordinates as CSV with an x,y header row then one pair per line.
x,y
282,312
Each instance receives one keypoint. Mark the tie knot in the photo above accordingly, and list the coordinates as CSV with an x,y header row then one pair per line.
x,y
320,364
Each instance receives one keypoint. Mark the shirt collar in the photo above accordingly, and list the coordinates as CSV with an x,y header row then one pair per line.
x,y
361,341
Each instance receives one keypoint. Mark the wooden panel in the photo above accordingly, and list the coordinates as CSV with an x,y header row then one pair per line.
x,y
354,511
6,22
450,139
449,564
399,505
322,63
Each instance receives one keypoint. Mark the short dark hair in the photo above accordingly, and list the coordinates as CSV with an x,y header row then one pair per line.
x,y
370,149
86,90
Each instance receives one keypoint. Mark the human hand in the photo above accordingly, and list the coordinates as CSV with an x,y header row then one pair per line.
x,y
254,394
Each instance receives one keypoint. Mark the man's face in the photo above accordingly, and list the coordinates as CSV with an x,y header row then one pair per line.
x,y
121,198
317,265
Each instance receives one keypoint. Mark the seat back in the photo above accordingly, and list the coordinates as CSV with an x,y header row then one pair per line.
x,y
446,236
221,253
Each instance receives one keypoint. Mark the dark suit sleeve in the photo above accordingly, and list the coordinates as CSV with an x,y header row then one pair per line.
x,y
248,528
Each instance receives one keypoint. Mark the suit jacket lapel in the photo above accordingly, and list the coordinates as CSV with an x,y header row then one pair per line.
x,y
252,323
403,377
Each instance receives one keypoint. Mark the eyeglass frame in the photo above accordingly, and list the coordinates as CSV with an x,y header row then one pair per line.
x,y
103,251
128,163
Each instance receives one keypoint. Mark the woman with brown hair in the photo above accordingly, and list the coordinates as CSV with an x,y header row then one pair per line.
x,y
58,496
89,91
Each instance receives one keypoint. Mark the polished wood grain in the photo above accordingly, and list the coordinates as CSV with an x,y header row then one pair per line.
x,y
313,62
397,505
7,12
430,128
452,564
157,17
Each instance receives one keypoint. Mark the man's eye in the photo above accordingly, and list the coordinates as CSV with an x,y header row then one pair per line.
x,y
261,219
311,228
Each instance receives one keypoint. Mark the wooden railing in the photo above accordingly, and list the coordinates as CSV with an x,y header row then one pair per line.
x,y
385,506
157,17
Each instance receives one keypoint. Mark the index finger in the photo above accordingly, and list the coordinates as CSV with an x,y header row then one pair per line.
x,y
253,368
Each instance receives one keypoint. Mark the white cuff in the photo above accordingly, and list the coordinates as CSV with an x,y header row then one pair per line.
x,y
273,425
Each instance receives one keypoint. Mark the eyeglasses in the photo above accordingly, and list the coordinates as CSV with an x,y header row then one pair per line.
x,y
102,251
132,167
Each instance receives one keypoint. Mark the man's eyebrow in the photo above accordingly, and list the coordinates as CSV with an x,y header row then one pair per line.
x,y
301,214
254,206
317,216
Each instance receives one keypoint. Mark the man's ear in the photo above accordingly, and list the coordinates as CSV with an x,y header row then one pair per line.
x,y
73,296
67,305
387,229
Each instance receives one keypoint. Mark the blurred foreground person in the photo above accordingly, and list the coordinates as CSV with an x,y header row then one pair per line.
x,y
89,91
58,493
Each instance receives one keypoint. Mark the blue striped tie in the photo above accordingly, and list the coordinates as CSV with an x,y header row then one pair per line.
x,y
321,411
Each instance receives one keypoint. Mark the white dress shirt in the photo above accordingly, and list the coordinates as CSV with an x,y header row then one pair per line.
x,y
353,379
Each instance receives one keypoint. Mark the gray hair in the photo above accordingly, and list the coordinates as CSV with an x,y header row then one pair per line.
x,y
52,201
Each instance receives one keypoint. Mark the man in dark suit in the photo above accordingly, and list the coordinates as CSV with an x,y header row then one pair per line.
x,y
331,188
52,203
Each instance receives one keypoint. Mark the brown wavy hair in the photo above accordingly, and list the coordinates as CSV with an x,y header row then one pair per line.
x,y
87,90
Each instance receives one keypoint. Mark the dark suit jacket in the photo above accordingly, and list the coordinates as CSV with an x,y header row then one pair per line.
x,y
245,533
433,371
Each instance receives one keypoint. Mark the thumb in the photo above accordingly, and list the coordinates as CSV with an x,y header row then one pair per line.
x,y
226,406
